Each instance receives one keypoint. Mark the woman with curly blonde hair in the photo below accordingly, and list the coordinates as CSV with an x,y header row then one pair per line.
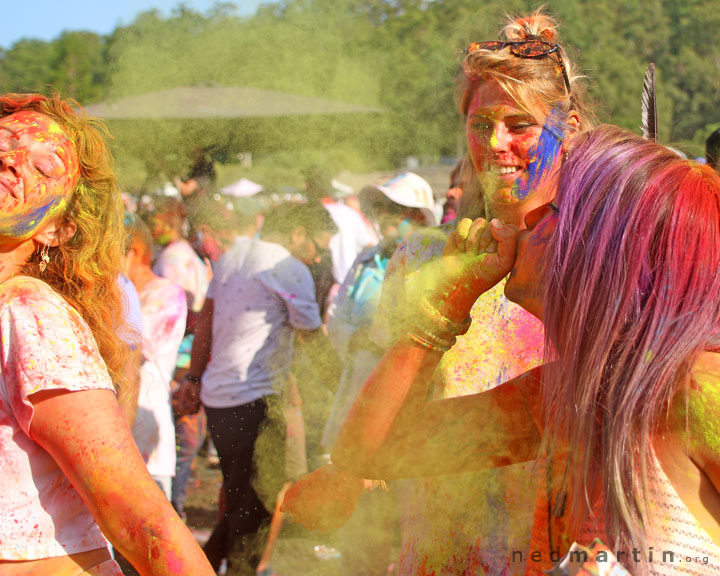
x,y
70,466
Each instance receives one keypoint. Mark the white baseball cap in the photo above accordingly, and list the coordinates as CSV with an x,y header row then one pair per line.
x,y
409,189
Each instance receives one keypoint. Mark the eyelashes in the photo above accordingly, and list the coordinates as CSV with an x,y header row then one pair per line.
x,y
42,171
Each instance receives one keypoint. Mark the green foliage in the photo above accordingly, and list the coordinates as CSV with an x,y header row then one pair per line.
x,y
73,64
398,55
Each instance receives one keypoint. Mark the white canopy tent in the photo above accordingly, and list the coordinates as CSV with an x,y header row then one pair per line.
x,y
242,188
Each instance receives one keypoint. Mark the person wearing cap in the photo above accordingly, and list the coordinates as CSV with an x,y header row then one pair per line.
x,y
398,207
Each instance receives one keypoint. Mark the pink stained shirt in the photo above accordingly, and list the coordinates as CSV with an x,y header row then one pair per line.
x,y
164,312
44,345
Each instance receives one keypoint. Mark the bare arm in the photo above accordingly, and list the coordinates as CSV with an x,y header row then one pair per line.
x,y
88,437
392,431
202,342
188,395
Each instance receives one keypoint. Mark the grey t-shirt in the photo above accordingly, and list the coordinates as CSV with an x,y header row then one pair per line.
x,y
260,294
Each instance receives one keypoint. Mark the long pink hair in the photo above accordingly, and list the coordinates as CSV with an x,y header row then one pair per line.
x,y
632,298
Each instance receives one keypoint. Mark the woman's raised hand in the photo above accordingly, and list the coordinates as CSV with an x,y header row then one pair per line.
x,y
476,257
488,246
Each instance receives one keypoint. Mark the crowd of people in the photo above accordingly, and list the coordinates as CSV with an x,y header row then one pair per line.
x,y
524,380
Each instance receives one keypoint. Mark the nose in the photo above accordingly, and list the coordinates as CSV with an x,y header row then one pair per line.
x,y
454,193
500,137
11,159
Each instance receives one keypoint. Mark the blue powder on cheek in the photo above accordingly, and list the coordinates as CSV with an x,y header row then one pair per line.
x,y
25,224
544,153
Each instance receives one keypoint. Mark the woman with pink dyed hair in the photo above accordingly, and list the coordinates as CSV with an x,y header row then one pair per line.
x,y
623,268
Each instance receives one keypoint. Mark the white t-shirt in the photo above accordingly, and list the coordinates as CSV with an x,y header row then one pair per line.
x,y
45,345
180,264
260,294
164,312
352,236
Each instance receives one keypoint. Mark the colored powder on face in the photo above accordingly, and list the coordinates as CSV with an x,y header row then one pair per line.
x,y
696,414
544,153
704,405
55,130
39,128
164,239
494,139
22,226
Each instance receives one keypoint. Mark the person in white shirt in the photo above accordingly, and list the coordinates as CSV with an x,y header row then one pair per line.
x,y
261,295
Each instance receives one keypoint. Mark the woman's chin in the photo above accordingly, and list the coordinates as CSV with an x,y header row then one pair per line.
x,y
512,291
523,295
506,195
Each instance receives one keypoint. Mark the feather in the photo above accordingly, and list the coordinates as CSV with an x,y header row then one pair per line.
x,y
649,105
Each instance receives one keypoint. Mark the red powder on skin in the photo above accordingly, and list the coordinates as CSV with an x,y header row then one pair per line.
x,y
174,563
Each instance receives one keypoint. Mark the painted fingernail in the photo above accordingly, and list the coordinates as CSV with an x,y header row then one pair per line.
x,y
495,223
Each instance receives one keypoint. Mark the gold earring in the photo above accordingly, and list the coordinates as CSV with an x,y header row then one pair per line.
x,y
44,258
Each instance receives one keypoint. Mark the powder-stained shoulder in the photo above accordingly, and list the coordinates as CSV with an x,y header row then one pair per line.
x,y
46,345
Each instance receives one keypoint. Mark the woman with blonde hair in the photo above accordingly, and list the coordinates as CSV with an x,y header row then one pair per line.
x,y
623,268
71,471
523,102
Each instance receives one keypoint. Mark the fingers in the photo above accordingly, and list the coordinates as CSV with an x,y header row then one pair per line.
x,y
506,237
475,235
463,228
486,243
453,244
456,240
188,399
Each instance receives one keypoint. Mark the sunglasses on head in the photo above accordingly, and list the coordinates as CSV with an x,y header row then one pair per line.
x,y
533,49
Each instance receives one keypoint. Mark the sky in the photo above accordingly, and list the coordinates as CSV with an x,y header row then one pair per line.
x,y
47,19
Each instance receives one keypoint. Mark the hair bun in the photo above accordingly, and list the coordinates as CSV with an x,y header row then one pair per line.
x,y
538,25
